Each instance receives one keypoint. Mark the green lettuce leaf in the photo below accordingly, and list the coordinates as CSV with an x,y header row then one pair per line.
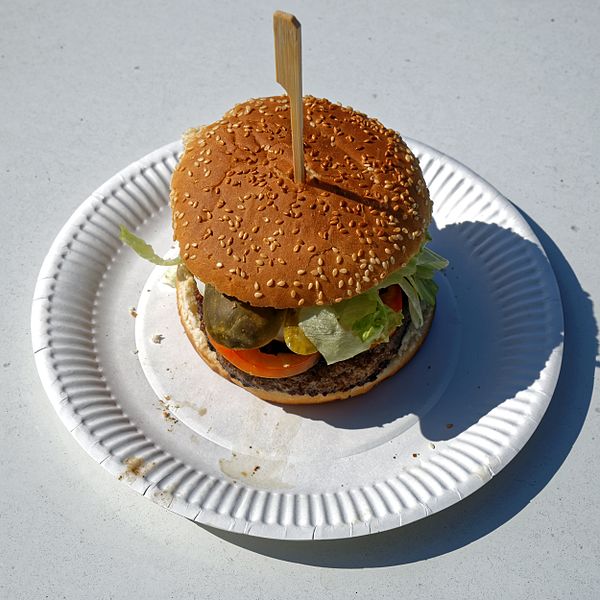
x,y
416,281
143,249
323,328
341,331
355,309
377,324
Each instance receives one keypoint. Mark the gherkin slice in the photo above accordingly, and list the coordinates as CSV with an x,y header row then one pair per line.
x,y
294,337
239,325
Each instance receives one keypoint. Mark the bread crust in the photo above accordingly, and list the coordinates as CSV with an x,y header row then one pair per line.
x,y
187,306
244,225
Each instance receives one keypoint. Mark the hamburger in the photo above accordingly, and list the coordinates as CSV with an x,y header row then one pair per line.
x,y
302,292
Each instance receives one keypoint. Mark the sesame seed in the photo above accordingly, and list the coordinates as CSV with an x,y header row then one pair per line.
x,y
258,294
281,283
219,265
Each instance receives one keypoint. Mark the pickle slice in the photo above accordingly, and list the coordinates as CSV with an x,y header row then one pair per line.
x,y
239,325
294,337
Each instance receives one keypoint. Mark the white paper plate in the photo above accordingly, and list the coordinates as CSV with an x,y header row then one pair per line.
x,y
154,415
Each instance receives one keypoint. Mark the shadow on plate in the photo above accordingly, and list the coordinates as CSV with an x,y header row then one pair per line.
x,y
507,493
490,338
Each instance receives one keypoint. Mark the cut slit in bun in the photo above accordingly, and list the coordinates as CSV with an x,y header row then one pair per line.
x,y
282,391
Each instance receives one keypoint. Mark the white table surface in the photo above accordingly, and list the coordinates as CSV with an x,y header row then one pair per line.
x,y
511,89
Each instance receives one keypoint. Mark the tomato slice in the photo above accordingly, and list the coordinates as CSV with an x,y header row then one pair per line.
x,y
270,366
392,297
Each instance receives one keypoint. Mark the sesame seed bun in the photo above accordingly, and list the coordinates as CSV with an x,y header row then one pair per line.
x,y
334,387
244,225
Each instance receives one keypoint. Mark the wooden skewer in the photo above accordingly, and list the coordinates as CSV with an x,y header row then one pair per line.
x,y
288,72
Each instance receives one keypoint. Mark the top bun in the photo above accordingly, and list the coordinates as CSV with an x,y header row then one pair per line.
x,y
244,225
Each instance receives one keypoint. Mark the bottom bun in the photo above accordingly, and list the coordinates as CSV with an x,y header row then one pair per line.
x,y
407,342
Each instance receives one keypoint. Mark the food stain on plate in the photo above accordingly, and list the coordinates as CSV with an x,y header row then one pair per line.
x,y
163,498
167,414
255,471
136,466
